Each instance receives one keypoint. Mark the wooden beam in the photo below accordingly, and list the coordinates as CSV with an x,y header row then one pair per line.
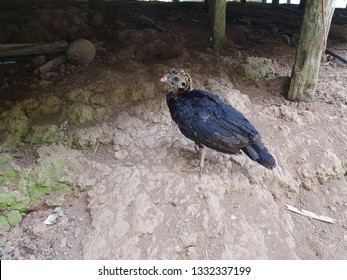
x,y
36,49
7,47
217,14
313,34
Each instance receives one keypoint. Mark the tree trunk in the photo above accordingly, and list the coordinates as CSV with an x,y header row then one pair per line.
x,y
275,2
217,13
310,48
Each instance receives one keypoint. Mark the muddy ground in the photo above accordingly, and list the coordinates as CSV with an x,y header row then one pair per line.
x,y
127,197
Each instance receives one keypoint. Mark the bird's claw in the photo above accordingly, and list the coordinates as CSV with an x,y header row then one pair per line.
x,y
195,170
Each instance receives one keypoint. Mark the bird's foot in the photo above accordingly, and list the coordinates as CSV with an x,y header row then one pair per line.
x,y
195,170
197,149
196,153
199,169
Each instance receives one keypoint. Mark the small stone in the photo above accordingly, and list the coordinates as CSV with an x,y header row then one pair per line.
x,y
63,242
233,217
84,183
51,219
55,199
332,208
39,229
77,232
306,186
120,155
101,200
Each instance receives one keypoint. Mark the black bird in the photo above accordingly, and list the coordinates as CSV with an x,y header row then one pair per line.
x,y
208,121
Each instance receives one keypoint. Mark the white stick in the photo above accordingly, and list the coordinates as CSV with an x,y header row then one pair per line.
x,y
310,214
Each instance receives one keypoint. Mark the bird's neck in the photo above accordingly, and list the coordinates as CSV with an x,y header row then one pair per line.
x,y
182,92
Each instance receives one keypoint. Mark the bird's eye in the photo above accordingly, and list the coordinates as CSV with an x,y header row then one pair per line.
x,y
183,84
176,79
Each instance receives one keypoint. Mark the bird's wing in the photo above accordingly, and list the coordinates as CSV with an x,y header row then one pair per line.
x,y
217,125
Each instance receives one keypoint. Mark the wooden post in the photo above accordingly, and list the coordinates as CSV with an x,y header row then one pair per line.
x,y
217,15
310,48
97,4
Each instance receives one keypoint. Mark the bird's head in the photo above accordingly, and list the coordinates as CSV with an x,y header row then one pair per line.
x,y
179,80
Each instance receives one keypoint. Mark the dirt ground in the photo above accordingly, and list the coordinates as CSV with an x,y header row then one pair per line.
x,y
130,198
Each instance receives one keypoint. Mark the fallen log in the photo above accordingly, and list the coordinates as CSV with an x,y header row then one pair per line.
x,y
34,50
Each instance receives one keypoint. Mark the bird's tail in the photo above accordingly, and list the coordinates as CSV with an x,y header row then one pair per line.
x,y
260,155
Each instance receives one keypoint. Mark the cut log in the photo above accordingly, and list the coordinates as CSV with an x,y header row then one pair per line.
x,y
34,50
51,64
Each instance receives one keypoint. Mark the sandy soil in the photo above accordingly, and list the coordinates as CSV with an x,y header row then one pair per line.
x,y
131,199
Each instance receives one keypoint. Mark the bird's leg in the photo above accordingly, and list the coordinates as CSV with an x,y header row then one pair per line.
x,y
202,152
197,149
202,159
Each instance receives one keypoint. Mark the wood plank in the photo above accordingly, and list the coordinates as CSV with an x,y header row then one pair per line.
x,y
34,50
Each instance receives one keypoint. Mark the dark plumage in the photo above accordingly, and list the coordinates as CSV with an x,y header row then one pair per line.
x,y
208,121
